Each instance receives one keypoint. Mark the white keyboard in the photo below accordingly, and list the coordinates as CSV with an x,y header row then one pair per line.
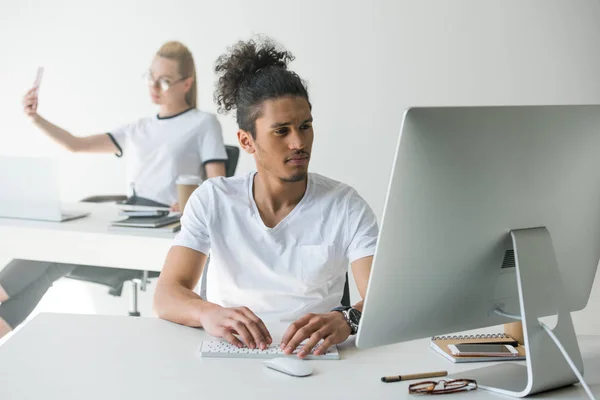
x,y
220,349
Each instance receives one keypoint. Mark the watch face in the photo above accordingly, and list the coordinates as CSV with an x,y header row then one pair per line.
x,y
354,315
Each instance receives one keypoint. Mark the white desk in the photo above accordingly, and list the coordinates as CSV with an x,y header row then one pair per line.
x,y
105,357
84,241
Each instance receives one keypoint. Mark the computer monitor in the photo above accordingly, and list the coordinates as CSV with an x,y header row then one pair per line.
x,y
488,210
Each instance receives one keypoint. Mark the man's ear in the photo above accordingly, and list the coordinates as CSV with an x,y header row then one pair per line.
x,y
246,141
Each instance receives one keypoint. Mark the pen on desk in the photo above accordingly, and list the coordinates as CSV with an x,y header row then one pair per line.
x,y
398,378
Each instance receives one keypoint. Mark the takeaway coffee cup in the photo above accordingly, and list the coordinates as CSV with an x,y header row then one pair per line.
x,y
186,184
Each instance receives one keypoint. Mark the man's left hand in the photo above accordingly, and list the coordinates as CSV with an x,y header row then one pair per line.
x,y
332,328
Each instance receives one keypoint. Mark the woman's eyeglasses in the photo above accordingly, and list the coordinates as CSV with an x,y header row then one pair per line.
x,y
443,386
163,83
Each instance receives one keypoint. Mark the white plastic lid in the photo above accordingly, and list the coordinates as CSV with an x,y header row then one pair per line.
x,y
189,180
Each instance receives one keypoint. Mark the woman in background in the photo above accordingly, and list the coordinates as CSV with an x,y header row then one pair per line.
x,y
180,139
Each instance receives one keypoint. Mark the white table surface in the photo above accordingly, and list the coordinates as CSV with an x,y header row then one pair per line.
x,y
83,241
109,357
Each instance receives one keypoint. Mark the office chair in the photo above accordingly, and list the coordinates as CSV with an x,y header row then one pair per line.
x,y
346,295
233,155
140,279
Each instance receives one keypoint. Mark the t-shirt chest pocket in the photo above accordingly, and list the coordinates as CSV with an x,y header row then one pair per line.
x,y
316,264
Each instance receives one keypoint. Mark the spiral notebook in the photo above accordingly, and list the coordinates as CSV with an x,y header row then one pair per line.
x,y
440,344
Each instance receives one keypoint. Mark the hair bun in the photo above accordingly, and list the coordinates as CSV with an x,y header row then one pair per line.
x,y
241,64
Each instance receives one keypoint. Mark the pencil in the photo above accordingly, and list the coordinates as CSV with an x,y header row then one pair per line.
x,y
398,378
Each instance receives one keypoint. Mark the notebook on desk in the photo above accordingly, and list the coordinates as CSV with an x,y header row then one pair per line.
x,y
141,203
440,344
148,222
167,230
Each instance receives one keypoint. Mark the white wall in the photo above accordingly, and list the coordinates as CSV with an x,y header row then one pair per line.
x,y
365,61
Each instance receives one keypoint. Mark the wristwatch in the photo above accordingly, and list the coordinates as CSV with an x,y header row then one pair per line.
x,y
352,317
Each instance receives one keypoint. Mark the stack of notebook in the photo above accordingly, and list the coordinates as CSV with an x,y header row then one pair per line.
x,y
168,223
440,344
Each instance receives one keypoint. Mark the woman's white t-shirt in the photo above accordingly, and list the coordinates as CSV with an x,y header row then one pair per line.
x,y
280,273
158,150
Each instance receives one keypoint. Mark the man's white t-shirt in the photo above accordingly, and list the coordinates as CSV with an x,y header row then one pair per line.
x,y
279,273
158,150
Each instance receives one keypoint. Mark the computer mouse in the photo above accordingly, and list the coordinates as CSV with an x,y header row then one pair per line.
x,y
289,365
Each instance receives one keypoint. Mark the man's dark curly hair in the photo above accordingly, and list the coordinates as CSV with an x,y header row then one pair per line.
x,y
250,73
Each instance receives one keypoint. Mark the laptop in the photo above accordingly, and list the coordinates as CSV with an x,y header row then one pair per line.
x,y
29,189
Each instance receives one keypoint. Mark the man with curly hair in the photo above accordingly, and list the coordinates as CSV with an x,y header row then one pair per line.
x,y
280,238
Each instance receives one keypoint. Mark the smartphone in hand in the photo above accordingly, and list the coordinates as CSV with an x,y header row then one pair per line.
x,y
38,78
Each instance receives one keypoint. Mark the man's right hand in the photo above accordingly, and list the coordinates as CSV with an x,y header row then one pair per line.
x,y
30,102
225,323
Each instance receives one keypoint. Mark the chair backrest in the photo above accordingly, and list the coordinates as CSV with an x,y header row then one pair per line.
x,y
233,155
346,295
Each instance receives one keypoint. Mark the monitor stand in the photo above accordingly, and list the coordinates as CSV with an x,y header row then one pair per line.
x,y
539,283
